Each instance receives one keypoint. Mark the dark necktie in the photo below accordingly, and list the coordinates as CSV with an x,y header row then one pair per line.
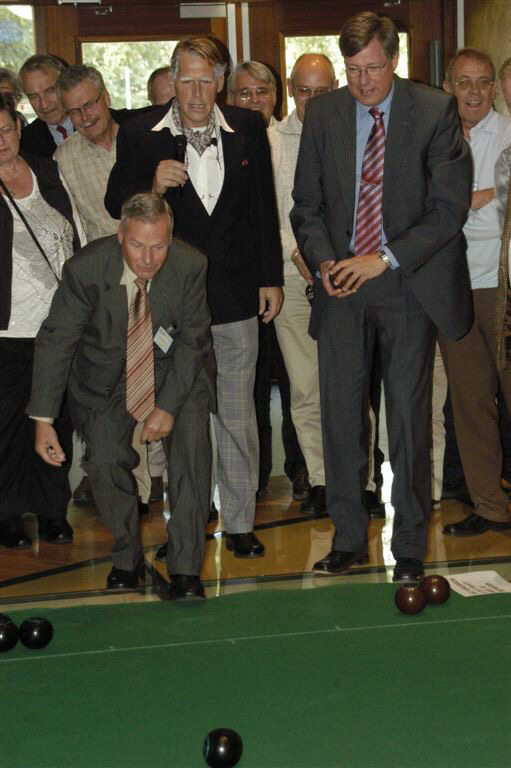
x,y
140,356
369,213
62,131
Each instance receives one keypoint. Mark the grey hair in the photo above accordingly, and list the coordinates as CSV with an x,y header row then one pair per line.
x,y
75,75
255,69
41,61
12,78
146,206
198,45
470,53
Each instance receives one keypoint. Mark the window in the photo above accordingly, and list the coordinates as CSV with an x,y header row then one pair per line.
x,y
17,43
329,45
126,67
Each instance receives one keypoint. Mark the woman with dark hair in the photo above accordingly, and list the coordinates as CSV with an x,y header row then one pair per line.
x,y
39,230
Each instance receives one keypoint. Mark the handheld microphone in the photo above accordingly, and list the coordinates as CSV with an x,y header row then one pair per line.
x,y
179,155
180,142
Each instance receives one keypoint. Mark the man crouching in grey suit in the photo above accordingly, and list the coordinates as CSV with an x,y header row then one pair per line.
x,y
128,334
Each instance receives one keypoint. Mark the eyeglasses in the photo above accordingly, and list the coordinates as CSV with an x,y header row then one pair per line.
x,y
246,93
482,83
308,92
87,107
373,70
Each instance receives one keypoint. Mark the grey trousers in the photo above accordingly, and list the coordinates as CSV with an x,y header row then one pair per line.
x,y
383,309
110,459
235,346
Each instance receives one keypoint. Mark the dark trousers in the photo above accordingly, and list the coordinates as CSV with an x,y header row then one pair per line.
x,y
383,312
110,459
27,483
271,363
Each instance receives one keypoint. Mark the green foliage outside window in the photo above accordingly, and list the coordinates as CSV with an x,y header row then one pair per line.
x,y
126,67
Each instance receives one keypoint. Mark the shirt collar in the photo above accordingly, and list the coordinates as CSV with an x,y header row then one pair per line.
x,y
384,106
486,124
167,121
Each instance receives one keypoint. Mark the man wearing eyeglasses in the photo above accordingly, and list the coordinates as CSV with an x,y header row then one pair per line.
x,y
85,161
251,85
382,190
471,363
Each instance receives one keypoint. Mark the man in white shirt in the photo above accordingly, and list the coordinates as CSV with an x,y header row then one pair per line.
x,y
471,362
213,166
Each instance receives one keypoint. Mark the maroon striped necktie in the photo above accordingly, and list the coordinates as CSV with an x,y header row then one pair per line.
x,y
62,130
140,356
369,214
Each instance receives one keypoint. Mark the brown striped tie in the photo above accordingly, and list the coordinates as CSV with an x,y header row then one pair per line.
x,y
140,356
369,212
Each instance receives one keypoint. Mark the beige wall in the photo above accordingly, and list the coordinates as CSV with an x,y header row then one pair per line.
x,y
488,26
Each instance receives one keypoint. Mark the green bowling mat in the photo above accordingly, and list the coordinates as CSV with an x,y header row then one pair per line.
x,y
311,678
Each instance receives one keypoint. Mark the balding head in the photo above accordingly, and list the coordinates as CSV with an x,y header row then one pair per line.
x,y
312,75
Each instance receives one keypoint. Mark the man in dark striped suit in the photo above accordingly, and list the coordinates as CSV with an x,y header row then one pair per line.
x,y
382,190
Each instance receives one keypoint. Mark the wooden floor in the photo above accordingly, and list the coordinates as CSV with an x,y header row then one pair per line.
x,y
293,543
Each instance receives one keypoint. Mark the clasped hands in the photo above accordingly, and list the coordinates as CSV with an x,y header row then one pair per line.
x,y
344,278
158,424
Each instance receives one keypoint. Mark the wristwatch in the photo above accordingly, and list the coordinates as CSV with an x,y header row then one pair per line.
x,y
383,256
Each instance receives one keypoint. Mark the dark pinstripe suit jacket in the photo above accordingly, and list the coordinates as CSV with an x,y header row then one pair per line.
x,y
426,195
82,343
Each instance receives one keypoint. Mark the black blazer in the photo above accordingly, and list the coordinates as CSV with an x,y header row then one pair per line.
x,y
36,139
426,195
241,238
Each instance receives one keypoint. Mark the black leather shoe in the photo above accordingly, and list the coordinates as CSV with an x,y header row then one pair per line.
x,y
474,525
244,544
407,569
55,531
183,587
82,496
143,508
13,534
301,485
375,506
315,503
120,579
337,562
453,489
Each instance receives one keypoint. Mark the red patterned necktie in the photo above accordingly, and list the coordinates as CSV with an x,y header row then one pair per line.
x,y
140,356
62,130
369,214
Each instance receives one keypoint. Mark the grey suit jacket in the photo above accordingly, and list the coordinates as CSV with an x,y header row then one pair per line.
x,y
426,195
82,343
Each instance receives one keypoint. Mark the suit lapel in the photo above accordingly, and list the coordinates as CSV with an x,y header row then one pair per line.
x,y
162,295
116,299
398,142
232,149
343,136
